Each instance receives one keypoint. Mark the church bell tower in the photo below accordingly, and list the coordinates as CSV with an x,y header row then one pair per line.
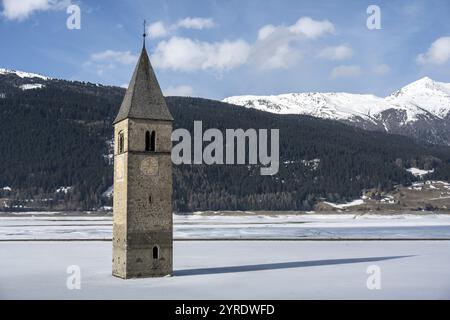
x,y
142,222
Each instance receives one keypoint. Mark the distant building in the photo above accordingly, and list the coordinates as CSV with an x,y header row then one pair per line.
x,y
142,205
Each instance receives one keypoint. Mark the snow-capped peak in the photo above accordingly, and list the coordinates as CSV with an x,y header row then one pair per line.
x,y
429,95
426,84
23,74
424,96
422,81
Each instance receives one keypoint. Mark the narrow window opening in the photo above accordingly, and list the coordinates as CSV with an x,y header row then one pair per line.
x,y
150,141
155,253
121,142
153,141
147,141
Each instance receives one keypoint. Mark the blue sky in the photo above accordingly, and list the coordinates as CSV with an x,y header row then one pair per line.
x,y
221,48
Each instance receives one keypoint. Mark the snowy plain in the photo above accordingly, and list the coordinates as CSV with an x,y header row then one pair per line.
x,y
234,270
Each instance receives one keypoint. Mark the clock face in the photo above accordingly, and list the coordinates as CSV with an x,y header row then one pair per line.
x,y
149,166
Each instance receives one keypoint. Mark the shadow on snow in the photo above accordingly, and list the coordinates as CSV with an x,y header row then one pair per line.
x,y
280,265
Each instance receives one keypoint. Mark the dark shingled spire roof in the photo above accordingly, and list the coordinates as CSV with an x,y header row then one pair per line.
x,y
143,99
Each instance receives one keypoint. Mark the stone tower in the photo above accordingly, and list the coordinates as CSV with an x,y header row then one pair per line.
x,y
142,227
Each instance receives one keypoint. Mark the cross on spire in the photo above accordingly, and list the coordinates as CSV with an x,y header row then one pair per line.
x,y
145,34
144,99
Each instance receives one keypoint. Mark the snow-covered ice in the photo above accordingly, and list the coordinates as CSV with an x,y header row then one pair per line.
x,y
238,226
234,270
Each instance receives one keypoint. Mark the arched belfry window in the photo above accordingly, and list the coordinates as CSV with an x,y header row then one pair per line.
x,y
147,140
121,142
155,252
150,141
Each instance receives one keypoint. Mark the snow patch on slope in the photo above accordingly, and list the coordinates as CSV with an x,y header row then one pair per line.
x,y
419,172
354,203
63,190
31,86
109,192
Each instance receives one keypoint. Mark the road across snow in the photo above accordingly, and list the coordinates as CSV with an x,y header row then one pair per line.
x,y
234,270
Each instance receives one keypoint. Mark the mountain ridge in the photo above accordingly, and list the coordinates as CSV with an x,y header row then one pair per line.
x,y
420,109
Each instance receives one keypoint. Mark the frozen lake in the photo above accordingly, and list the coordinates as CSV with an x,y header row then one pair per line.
x,y
237,226
262,269
234,270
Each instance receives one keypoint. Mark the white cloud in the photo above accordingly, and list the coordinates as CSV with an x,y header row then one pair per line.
x,y
123,57
438,53
346,71
381,69
157,30
266,31
179,91
275,46
196,23
311,28
283,57
341,52
275,57
183,54
304,28
21,9
160,30
109,59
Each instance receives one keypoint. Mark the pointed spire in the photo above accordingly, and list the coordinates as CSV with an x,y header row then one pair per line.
x,y
144,98
145,32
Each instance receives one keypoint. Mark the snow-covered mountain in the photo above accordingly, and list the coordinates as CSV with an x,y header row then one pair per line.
x,y
23,74
420,109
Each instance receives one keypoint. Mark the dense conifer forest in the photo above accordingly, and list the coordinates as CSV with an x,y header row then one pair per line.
x,y
61,136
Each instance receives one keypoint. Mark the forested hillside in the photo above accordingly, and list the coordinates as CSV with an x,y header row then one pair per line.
x,y
60,136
